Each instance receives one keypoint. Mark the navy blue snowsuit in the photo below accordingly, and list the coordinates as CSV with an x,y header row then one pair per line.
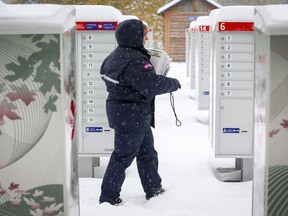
x,y
132,85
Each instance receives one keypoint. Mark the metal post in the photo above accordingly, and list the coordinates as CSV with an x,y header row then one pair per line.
x,y
95,163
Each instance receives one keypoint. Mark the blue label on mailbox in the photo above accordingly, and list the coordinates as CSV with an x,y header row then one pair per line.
x,y
109,26
231,130
205,92
91,26
94,129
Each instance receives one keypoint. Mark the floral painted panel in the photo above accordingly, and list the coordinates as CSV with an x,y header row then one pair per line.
x,y
29,89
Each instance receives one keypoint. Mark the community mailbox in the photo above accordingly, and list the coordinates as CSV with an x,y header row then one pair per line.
x,y
270,183
38,156
202,63
191,33
212,22
95,40
187,45
233,82
150,41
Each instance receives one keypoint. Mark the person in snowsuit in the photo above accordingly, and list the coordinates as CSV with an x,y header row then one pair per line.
x,y
132,85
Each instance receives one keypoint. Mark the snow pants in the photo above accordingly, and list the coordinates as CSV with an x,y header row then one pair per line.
x,y
127,146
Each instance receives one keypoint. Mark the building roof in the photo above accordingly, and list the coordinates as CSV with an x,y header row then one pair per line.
x,y
174,2
214,3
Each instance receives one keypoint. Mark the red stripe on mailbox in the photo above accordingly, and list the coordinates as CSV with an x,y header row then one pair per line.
x,y
80,26
204,28
236,26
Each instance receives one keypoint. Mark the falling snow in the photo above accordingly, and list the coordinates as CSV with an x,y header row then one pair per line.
x,y
186,166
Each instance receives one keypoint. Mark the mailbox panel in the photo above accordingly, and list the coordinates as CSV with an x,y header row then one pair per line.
x,y
202,70
233,82
95,41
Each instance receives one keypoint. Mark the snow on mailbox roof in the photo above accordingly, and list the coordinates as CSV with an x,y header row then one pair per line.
x,y
236,13
174,2
36,19
203,20
192,24
212,18
97,12
272,19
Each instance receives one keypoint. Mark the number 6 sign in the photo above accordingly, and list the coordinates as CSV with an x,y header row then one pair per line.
x,y
236,26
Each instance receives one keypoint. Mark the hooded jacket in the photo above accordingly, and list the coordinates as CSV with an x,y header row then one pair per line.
x,y
131,80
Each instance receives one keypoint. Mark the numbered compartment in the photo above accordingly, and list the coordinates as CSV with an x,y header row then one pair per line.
x,y
97,47
205,58
229,47
237,75
91,74
241,57
95,120
91,111
236,93
237,84
94,92
204,69
91,65
88,37
105,37
93,56
204,40
238,37
237,66
89,92
95,84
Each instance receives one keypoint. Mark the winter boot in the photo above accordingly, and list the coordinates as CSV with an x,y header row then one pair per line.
x,y
157,192
115,202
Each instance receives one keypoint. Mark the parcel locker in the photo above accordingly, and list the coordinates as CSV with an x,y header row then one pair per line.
x,y
38,149
270,183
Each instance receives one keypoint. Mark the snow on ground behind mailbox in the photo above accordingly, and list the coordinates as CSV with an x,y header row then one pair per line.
x,y
186,165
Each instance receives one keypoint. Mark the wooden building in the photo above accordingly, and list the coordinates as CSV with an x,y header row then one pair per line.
x,y
177,16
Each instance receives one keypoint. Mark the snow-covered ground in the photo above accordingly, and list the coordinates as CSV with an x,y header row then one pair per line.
x,y
186,165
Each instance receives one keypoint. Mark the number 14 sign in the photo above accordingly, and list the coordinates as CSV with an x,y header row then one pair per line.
x,y
204,28
236,26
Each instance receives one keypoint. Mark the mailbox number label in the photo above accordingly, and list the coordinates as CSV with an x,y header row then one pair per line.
x,y
228,84
236,26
